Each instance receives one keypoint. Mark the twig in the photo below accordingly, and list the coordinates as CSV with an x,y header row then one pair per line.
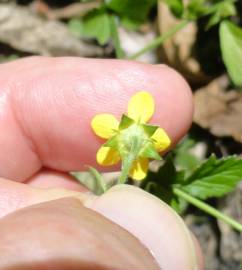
x,y
72,10
160,39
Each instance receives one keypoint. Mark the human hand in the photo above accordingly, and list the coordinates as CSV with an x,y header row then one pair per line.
x,y
46,107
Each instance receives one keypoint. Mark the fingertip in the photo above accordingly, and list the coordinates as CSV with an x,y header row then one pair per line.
x,y
199,254
174,102
55,99
153,222
53,179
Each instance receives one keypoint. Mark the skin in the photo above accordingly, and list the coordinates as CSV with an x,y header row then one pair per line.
x,y
47,220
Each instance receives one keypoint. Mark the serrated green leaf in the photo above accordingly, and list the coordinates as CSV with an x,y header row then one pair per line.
x,y
165,195
134,9
176,7
231,46
214,178
184,159
161,184
96,24
167,175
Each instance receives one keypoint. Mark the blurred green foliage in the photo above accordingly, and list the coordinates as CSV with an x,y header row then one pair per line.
x,y
211,178
102,24
231,46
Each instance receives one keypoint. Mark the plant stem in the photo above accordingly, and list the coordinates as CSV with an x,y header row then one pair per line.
x,y
128,159
99,179
209,209
115,37
126,166
159,40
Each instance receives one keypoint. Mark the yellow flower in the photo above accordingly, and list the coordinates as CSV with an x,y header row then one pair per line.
x,y
131,139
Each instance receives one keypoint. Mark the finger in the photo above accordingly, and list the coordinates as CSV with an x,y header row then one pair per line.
x,y
53,179
14,195
156,228
64,235
47,105
155,224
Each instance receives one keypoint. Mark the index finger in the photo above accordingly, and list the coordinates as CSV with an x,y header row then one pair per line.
x,y
47,105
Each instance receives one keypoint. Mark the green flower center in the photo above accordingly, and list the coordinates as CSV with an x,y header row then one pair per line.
x,y
132,139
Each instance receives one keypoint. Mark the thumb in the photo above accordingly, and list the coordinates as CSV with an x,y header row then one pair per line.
x,y
154,223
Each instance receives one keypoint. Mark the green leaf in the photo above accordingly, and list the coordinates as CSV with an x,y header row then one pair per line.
x,y
221,11
134,9
184,159
214,178
161,183
75,26
96,24
231,46
166,195
129,23
176,7
196,9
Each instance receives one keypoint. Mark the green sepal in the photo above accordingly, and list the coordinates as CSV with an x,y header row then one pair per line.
x,y
125,122
149,129
92,180
112,142
150,152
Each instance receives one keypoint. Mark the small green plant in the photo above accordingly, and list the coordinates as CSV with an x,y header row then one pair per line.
x,y
182,179
133,142
102,24
217,12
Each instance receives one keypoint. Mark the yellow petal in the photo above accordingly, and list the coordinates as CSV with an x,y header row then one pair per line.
x,y
104,125
139,169
161,140
141,107
107,156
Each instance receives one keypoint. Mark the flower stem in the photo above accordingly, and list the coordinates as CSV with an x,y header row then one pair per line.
x,y
126,166
209,209
99,179
115,38
160,39
129,158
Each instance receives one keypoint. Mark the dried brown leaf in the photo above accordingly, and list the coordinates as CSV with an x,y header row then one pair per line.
x,y
177,50
219,110
72,10
25,31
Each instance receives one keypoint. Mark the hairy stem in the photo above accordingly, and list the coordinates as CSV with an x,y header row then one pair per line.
x,y
126,166
209,209
115,37
160,39
129,158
